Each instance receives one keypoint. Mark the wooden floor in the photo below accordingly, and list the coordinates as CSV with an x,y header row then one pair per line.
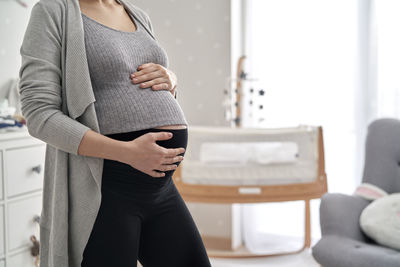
x,y
303,259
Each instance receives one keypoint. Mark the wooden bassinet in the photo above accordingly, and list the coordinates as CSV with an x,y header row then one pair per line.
x,y
252,165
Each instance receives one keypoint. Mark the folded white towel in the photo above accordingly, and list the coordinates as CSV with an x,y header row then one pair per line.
x,y
226,153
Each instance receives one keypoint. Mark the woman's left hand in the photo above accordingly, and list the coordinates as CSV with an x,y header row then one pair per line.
x,y
155,76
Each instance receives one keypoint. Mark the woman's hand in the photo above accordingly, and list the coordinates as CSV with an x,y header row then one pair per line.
x,y
144,154
155,76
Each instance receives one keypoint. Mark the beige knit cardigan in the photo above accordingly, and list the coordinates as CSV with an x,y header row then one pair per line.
x,y
57,102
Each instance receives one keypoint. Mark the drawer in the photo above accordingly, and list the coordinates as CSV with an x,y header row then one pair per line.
x,y
24,169
23,259
21,224
2,239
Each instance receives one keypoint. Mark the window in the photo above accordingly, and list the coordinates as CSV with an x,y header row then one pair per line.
x,y
306,57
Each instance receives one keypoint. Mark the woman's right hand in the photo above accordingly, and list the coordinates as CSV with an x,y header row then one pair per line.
x,y
144,154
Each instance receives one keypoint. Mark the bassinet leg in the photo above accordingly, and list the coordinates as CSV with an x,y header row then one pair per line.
x,y
307,224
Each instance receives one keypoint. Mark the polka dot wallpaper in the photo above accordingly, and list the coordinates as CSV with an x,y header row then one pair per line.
x,y
196,36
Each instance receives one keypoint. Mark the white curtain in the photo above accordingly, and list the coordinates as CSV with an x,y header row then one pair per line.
x,y
387,28
312,61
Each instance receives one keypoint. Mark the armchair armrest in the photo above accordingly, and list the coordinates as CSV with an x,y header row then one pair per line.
x,y
340,214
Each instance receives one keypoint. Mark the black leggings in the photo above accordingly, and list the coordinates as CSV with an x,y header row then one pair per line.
x,y
143,217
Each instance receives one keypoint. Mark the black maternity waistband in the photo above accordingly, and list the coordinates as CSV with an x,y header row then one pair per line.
x,y
116,172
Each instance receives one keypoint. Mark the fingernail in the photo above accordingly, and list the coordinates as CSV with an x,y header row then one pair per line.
x,y
133,75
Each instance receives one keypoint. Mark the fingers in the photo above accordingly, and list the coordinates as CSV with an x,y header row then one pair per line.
x,y
146,65
158,83
161,86
144,68
157,174
163,168
142,74
168,152
153,75
180,150
168,167
146,78
172,152
161,135
172,160
169,156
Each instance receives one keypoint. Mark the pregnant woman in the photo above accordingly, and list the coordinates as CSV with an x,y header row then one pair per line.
x,y
142,139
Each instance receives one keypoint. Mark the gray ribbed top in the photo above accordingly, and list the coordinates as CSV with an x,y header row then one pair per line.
x,y
120,105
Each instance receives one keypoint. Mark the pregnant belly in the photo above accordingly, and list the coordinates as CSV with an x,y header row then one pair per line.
x,y
175,126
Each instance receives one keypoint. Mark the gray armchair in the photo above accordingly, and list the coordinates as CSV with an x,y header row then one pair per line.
x,y
343,244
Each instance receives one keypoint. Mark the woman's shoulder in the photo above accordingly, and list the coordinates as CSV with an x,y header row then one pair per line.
x,y
54,8
53,4
49,13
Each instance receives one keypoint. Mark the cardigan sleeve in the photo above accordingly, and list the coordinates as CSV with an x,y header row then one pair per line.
x,y
40,78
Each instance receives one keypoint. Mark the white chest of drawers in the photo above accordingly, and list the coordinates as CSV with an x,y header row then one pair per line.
x,y
21,182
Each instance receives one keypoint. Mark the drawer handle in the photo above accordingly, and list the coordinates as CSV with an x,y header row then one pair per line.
x,y
37,168
35,249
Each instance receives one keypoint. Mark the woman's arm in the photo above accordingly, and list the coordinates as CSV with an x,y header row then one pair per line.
x,y
40,89
97,145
